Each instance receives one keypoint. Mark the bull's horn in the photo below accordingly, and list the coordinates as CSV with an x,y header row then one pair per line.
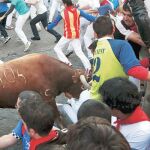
x,y
84,82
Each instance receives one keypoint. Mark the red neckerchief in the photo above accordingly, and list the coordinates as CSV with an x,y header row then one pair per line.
x,y
134,28
35,142
137,116
105,2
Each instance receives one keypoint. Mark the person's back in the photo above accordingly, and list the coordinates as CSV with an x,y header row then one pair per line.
x,y
71,17
109,53
112,58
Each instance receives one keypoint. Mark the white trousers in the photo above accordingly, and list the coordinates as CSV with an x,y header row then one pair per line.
x,y
83,26
88,39
21,20
63,42
9,17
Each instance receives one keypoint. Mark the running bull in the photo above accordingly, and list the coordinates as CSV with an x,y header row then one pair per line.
x,y
39,72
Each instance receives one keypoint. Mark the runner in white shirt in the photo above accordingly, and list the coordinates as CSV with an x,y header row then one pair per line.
x,y
123,98
55,6
41,17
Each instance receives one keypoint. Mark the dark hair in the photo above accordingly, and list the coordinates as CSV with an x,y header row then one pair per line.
x,y
37,115
121,94
103,26
51,146
97,134
29,95
94,108
126,7
67,2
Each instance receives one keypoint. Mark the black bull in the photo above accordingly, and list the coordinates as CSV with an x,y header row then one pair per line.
x,y
37,72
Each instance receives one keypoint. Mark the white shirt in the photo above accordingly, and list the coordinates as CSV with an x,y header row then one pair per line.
x,y
93,4
120,27
137,134
40,7
55,5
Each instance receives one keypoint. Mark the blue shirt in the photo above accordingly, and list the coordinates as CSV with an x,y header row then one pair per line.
x,y
105,9
59,17
20,6
17,132
124,53
3,7
115,3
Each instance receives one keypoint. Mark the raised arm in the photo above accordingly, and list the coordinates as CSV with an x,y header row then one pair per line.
x,y
54,23
87,16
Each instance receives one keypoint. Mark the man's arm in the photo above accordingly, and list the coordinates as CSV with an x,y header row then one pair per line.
x,y
8,12
139,72
142,19
54,23
135,37
53,9
129,35
131,64
87,16
7,140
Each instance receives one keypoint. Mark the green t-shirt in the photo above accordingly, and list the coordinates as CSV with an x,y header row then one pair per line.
x,y
20,6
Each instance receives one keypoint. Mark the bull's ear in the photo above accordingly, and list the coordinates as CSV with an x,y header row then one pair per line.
x,y
74,79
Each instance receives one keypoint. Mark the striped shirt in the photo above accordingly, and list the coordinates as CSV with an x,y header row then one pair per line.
x,y
71,22
71,17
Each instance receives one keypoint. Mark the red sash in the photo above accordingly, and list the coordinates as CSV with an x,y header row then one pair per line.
x,y
137,116
35,142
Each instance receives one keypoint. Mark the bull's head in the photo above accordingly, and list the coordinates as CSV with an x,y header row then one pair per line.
x,y
79,83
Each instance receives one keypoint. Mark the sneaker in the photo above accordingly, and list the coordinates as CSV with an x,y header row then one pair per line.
x,y
35,38
7,39
9,27
27,46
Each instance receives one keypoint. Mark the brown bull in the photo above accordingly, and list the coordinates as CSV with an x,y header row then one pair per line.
x,y
37,72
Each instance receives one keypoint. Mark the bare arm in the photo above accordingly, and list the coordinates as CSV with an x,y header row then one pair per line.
x,y
135,37
7,140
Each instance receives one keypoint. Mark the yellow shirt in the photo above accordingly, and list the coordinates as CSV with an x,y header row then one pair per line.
x,y
105,66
